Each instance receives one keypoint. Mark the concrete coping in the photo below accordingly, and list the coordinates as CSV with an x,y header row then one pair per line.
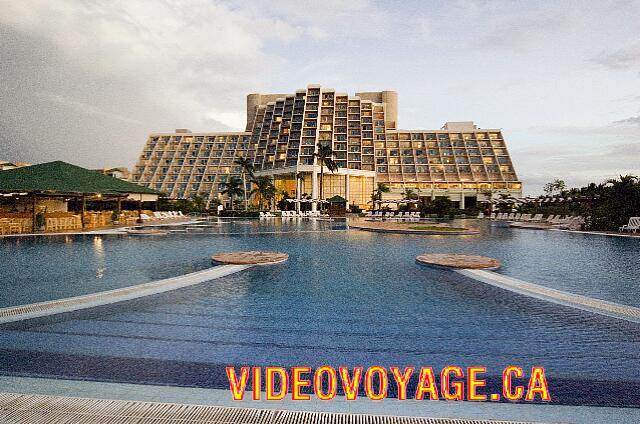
x,y
147,232
250,258
457,261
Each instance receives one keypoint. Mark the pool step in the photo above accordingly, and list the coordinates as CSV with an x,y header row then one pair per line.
x,y
35,310
42,409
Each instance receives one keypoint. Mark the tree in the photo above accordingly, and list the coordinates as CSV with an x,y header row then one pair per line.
x,y
556,186
325,158
443,206
247,168
377,193
282,203
232,188
198,203
410,194
560,186
264,188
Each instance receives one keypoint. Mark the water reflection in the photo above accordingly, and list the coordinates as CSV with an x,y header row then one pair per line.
x,y
98,250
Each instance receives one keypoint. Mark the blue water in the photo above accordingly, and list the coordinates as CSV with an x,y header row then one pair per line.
x,y
343,298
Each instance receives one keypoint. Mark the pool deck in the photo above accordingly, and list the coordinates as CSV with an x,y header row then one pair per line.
x,y
36,409
113,229
134,394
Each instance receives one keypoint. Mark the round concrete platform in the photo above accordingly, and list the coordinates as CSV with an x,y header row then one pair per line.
x,y
250,258
455,260
408,227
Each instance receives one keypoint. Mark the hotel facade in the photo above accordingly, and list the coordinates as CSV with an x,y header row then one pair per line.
x,y
459,161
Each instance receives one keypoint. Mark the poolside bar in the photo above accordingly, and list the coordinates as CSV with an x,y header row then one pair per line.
x,y
54,196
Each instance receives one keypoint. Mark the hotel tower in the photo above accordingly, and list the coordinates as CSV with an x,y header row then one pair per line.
x,y
459,161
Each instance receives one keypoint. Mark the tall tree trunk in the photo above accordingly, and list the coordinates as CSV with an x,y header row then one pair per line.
x,y
321,180
244,191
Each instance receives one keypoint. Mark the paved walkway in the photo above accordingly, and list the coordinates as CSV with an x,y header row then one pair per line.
x,y
602,307
35,310
37,409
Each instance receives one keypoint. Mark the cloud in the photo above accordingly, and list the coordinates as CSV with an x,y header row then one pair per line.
x,y
85,108
625,58
578,155
631,121
88,73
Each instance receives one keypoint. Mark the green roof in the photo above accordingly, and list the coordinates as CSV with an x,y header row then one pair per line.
x,y
62,177
337,199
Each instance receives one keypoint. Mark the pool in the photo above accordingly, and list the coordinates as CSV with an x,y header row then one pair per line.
x,y
344,298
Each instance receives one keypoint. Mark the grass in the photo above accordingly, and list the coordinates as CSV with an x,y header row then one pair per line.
x,y
435,228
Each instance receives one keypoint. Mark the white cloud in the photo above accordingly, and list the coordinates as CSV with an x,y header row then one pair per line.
x,y
93,78
624,58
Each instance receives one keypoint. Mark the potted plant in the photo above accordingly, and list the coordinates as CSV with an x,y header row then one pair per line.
x,y
41,221
115,217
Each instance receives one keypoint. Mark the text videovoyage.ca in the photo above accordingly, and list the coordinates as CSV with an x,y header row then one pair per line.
x,y
325,383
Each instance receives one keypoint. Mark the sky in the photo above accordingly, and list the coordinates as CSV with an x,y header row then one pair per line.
x,y
86,81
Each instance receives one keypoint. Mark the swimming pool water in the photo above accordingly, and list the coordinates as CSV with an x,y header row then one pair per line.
x,y
344,298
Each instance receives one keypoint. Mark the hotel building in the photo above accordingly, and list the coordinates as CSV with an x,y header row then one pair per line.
x,y
458,161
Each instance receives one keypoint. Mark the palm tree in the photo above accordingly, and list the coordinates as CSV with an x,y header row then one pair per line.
x,y
299,187
247,168
377,193
264,188
410,194
325,157
198,203
233,188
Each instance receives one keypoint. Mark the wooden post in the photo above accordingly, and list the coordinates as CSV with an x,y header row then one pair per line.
x,y
33,211
140,209
84,207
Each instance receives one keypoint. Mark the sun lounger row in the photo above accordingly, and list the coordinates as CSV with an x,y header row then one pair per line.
x,y
294,214
526,217
391,215
165,215
539,218
632,226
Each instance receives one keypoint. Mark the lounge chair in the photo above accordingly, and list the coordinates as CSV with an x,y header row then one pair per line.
x,y
144,217
537,217
550,218
480,215
492,216
632,226
158,215
517,217
511,216
369,214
